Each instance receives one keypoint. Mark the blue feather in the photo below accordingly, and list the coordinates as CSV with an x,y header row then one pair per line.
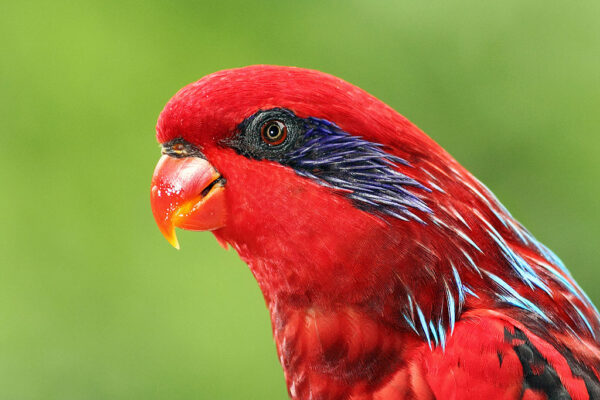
x,y
367,174
511,296
424,326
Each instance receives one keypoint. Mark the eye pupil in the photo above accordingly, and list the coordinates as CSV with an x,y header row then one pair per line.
x,y
274,132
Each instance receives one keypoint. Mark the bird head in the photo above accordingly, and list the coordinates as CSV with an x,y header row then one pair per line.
x,y
333,197
301,172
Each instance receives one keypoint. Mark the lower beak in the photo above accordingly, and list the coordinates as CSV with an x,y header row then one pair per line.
x,y
187,193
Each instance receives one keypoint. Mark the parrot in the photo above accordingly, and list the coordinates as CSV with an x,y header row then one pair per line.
x,y
388,270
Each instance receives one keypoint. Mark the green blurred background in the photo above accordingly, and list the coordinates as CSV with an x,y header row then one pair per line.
x,y
94,304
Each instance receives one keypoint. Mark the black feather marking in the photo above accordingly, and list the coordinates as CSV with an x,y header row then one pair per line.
x,y
580,370
538,374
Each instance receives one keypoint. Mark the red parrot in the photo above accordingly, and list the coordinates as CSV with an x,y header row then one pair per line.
x,y
389,271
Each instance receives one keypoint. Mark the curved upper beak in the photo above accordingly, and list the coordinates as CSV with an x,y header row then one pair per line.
x,y
187,193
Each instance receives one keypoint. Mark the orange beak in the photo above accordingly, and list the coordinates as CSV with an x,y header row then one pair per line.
x,y
187,193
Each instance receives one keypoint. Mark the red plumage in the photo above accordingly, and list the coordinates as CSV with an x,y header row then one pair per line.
x,y
455,301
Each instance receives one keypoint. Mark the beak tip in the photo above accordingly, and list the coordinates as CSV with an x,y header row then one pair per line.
x,y
175,243
169,233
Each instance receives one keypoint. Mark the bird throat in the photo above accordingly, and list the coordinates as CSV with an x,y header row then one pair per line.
x,y
337,353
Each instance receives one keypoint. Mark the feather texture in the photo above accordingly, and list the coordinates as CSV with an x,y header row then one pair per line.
x,y
389,271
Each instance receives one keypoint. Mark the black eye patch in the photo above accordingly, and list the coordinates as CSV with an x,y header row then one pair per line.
x,y
320,150
249,140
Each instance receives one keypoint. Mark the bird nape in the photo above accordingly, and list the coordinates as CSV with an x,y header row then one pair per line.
x,y
389,271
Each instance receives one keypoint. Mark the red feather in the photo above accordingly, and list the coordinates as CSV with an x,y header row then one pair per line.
x,y
466,304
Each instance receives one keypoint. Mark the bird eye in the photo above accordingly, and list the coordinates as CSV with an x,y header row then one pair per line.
x,y
273,132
